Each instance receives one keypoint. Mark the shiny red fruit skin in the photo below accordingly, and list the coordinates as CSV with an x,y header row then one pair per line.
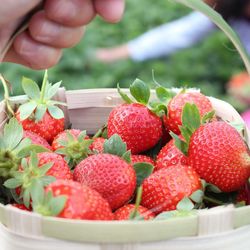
x,y
60,169
170,155
97,145
220,156
138,127
123,213
173,120
142,158
82,203
47,128
163,190
63,137
36,139
109,175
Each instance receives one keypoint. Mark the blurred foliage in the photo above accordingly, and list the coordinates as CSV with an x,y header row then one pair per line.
x,y
208,65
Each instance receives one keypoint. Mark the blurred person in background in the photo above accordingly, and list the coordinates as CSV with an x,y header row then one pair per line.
x,y
182,33
58,24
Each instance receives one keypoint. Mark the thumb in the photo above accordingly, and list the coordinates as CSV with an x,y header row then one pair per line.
x,y
11,10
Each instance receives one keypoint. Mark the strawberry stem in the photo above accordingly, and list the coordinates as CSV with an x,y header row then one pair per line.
x,y
212,200
44,85
6,95
137,203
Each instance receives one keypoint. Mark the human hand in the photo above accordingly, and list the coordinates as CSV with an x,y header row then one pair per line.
x,y
59,24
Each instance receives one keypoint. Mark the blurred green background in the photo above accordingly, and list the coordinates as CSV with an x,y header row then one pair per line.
x,y
208,65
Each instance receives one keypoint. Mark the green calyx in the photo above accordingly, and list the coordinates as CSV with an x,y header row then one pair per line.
x,y
75,149
29,177
48,205
141,93
13,148
191,121
40,101
115,146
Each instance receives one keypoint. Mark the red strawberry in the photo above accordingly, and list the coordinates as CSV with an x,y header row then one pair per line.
x,y
109,175
138,127
124,212
82,202
173,119
164,189
97,145
21,206
36,139
220,156
40,114
59,169
170,155
47,128
142,158
63,137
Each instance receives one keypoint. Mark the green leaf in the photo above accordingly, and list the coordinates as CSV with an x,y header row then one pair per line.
x,y
33,159
40,112
185,205
208,117
124,96
82,136
24,152
114,145
213,188
222,24
163,94
37,191
45,168
158,108
24,143
191,117
13,134
53,90
197,196
166,215
127,156
12,183
57,204
46,180
30,88
55,112
143,170
26,198
27,109
140,91
180,144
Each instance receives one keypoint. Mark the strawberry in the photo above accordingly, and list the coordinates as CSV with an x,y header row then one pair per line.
x,y
40,169
138,127
73,145
109,175
175,107
170,155
21,206
164,189
136,122
81,203
244,194
36,139
40,114
59,169
123,213
220,156
142,158
97,145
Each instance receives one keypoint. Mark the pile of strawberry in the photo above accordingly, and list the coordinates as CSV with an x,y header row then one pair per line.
x,y
153,159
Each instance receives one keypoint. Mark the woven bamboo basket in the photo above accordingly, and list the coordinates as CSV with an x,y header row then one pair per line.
x,y
224,227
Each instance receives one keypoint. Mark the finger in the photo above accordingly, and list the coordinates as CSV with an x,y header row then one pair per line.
x,y
72,13
12,9
33,54
53,34
110,10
